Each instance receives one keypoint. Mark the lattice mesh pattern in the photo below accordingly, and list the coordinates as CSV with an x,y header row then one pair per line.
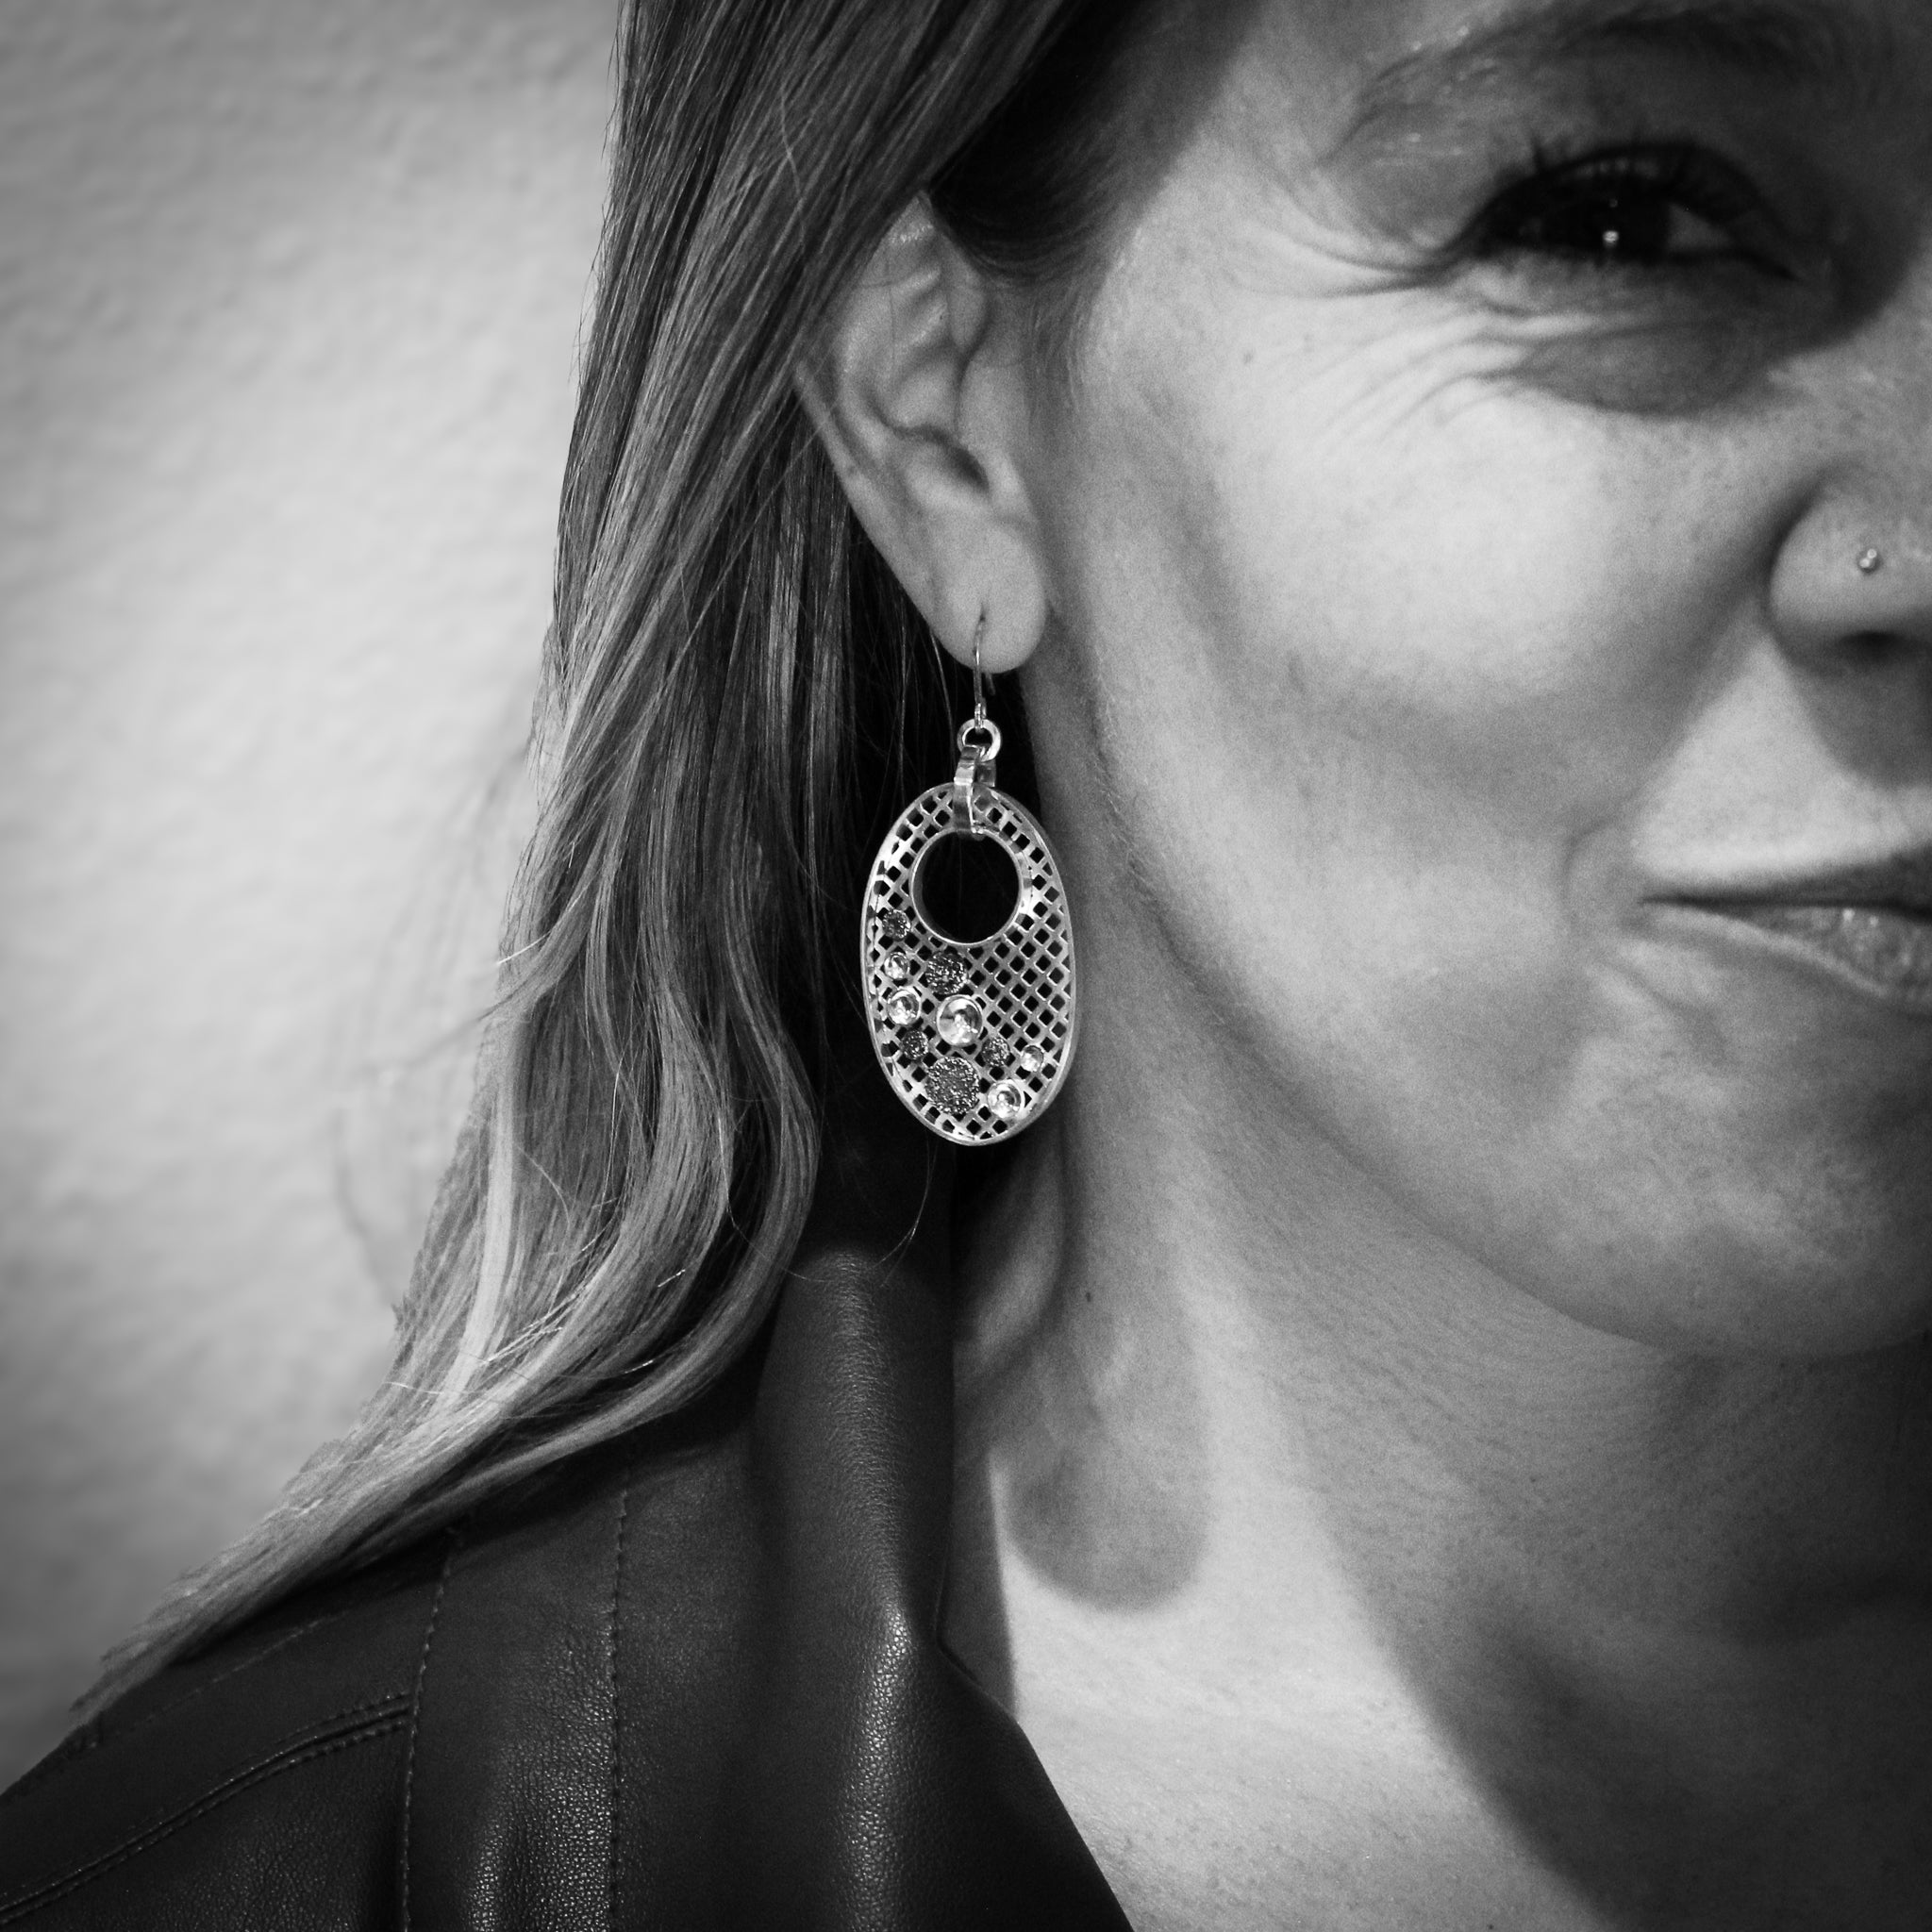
x,y
972,1086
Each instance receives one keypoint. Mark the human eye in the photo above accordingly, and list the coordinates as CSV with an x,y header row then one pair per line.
x,y
1670,206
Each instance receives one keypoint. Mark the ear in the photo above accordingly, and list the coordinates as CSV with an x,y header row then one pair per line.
x,y
919,393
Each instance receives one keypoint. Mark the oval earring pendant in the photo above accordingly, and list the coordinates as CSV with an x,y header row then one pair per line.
x,y
974,1036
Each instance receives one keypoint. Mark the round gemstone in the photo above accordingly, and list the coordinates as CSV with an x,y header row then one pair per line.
x,y
960,1021
897,967
1029,1060
1008,1100
947,973
903,1008
954,1084
994,1053
892,926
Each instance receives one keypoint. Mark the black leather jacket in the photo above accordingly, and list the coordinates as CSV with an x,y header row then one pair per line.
x,y
691,1680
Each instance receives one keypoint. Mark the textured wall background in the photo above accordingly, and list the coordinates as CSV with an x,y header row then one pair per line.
x,y
289,298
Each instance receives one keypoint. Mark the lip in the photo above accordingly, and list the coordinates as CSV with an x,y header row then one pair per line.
x,y
1869,923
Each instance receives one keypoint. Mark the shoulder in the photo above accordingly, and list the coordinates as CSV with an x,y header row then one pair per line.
x,y
208,1791
433,1740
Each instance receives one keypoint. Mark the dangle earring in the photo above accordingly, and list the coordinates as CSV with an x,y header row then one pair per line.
x,y
974,1036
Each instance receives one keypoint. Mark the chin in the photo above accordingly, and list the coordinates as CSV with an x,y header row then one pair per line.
x,y
1732,1294
1751,1192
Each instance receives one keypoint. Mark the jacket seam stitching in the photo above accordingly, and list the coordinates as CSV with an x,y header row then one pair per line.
x,y
104,1740
296,1740
416,1723
149,1835
610,1652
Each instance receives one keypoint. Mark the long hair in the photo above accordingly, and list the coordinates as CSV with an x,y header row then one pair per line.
x,y
737,693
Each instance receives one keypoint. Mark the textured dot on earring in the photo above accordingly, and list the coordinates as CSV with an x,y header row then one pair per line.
x,y
1871,561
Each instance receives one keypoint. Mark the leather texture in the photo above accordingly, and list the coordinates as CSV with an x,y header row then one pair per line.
x,y
692,1679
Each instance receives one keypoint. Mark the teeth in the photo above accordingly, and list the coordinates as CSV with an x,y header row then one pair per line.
x,y
1890,947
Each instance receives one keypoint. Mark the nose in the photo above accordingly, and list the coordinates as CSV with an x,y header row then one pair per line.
x,y
1851,583
1853,587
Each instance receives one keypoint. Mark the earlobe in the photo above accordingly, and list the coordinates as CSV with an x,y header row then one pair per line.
x,y
919,397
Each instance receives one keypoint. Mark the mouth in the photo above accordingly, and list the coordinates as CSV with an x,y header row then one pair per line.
x,y
1870,925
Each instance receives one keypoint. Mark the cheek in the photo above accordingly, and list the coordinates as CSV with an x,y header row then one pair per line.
x,y
1395,656
1474,601
1388,674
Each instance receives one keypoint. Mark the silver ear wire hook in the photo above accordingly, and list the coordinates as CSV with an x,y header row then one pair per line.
x,y
979,750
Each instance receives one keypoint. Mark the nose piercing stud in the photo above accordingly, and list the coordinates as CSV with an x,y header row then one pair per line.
x,y
1871,561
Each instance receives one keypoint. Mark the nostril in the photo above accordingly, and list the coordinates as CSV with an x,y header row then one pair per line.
x,y
1843,598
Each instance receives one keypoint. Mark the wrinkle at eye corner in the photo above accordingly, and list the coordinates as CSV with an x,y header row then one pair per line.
x,y
1372,387
1625,362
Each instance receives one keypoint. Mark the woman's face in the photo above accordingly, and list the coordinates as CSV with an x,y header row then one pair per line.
x,y
1453,530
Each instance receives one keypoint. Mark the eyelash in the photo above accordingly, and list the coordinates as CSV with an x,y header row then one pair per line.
x,y
1523,218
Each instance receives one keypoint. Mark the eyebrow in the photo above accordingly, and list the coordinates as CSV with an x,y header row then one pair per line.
x,y
1798,43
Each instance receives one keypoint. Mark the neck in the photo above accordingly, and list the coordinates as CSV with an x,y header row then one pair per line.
x,y
1239,1413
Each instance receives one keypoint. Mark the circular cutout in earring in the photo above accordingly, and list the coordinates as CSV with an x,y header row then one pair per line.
x,y
1870,560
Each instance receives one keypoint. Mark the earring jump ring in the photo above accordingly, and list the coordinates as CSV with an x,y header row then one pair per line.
x,y
981,739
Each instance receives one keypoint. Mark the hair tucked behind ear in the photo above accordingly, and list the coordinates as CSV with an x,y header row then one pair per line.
x,y
736,695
